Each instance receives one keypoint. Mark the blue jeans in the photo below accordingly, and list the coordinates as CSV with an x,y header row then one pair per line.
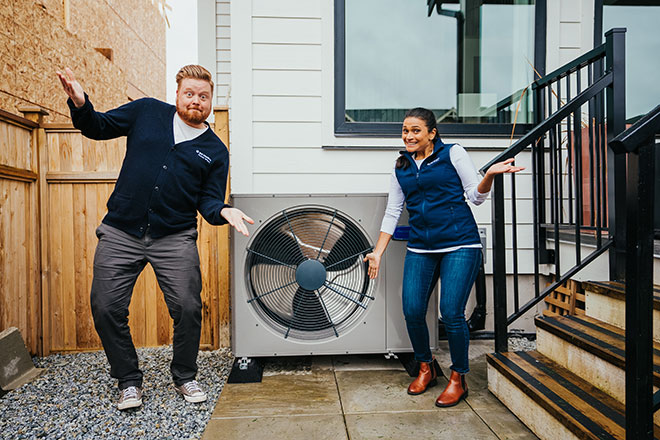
x,y
457,271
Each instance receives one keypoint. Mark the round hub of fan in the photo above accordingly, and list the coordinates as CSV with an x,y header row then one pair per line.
x,y
310,274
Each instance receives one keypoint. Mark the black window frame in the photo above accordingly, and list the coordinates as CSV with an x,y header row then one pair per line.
x,y
343,128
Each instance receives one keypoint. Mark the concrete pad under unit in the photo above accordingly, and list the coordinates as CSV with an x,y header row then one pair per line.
x,y
359,397
317,427
281,395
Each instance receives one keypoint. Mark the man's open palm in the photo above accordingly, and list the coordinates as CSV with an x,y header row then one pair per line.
x,y
72,87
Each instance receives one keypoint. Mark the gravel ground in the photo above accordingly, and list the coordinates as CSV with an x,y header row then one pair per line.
x,y
521,344
76,398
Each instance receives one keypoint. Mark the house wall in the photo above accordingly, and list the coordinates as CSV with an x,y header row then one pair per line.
x,y
282,105
570,31
222,51
281,88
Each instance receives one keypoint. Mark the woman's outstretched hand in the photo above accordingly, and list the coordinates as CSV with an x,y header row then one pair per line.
x,y
374,264
504,167
498,168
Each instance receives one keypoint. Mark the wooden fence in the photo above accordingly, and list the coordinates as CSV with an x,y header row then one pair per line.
x,y
54,184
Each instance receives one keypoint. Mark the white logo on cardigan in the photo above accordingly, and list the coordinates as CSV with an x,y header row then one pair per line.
x,y
203,156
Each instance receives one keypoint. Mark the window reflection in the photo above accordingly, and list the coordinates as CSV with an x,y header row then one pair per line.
x,y
469,61
641,19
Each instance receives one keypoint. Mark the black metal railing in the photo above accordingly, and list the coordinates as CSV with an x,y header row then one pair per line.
x,y
571,181
596,198
637,145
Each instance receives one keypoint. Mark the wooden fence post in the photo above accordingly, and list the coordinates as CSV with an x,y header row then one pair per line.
x,y
221,128
40,145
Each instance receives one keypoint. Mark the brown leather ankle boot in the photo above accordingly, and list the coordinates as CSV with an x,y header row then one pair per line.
x,y
427,378
456,390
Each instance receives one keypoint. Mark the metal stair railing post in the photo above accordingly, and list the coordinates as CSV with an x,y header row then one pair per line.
x,y
638,144
499,267
616,175
639,294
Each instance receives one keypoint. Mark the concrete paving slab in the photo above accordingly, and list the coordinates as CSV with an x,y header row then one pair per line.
x,y
303,397
477,379
432,425
366,362
318,427
503,423
385,391
311,393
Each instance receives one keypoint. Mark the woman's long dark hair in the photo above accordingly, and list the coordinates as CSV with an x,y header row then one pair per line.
x,y
428,117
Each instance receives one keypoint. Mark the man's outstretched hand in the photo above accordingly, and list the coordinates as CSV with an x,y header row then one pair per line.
x,y
72,87
235,217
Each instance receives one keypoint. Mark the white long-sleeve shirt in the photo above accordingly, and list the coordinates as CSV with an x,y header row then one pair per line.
x,y
470,179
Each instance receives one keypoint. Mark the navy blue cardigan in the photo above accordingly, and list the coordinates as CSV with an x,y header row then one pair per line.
x,y
161,186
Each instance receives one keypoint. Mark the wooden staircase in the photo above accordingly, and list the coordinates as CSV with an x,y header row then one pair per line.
x,y
573,385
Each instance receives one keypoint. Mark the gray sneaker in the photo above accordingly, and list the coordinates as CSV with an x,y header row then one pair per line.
x,y
191,391
131,397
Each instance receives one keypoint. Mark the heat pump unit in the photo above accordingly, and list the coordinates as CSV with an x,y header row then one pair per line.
x,y
299,283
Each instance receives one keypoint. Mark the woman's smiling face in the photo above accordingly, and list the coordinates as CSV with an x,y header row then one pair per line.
x,y
416,136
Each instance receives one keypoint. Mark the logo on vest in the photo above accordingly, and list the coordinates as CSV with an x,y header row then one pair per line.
x,y
433,161
203,156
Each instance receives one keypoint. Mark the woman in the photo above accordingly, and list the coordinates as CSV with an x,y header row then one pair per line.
x,y
433,179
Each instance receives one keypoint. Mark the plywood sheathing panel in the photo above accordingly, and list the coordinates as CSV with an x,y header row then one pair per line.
x,y
34,43
136,33
53,7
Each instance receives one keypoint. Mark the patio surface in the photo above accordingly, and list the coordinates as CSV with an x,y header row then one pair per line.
x,y
359,397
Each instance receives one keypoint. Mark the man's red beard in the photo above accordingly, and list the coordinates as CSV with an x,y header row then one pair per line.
x,y
192,116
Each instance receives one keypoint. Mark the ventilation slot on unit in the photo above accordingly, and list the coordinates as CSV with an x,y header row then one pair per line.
x,y
306,275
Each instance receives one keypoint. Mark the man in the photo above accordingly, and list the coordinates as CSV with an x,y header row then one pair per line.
x,y
174,166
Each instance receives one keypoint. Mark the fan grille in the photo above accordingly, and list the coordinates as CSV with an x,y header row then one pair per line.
x,y
305,272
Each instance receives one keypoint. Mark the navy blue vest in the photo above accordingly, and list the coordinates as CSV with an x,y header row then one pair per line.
x,y
439,216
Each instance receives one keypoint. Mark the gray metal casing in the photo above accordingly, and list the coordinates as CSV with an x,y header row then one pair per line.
x,y
382,328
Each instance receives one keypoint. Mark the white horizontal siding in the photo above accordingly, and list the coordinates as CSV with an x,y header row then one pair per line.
x,y
222,7
344,183
525,265
287,82
287,8
569,31
223,52
316,160
286,56
286,30
287,134
286,108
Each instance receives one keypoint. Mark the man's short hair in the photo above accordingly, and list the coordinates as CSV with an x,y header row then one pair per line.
x,y
194,71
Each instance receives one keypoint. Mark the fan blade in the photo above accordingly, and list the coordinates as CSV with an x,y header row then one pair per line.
x,y
308,312
339,257
279,246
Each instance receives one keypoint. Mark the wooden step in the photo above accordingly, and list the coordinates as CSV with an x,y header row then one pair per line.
x,y
605,301
592,349
552,401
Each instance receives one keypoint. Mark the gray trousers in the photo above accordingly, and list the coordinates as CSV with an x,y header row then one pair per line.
x,y
118,261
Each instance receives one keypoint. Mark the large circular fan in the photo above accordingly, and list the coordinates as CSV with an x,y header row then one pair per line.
x,y
305,272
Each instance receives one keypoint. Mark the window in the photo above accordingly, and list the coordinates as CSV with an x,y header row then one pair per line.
x,y
641,19
472,62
